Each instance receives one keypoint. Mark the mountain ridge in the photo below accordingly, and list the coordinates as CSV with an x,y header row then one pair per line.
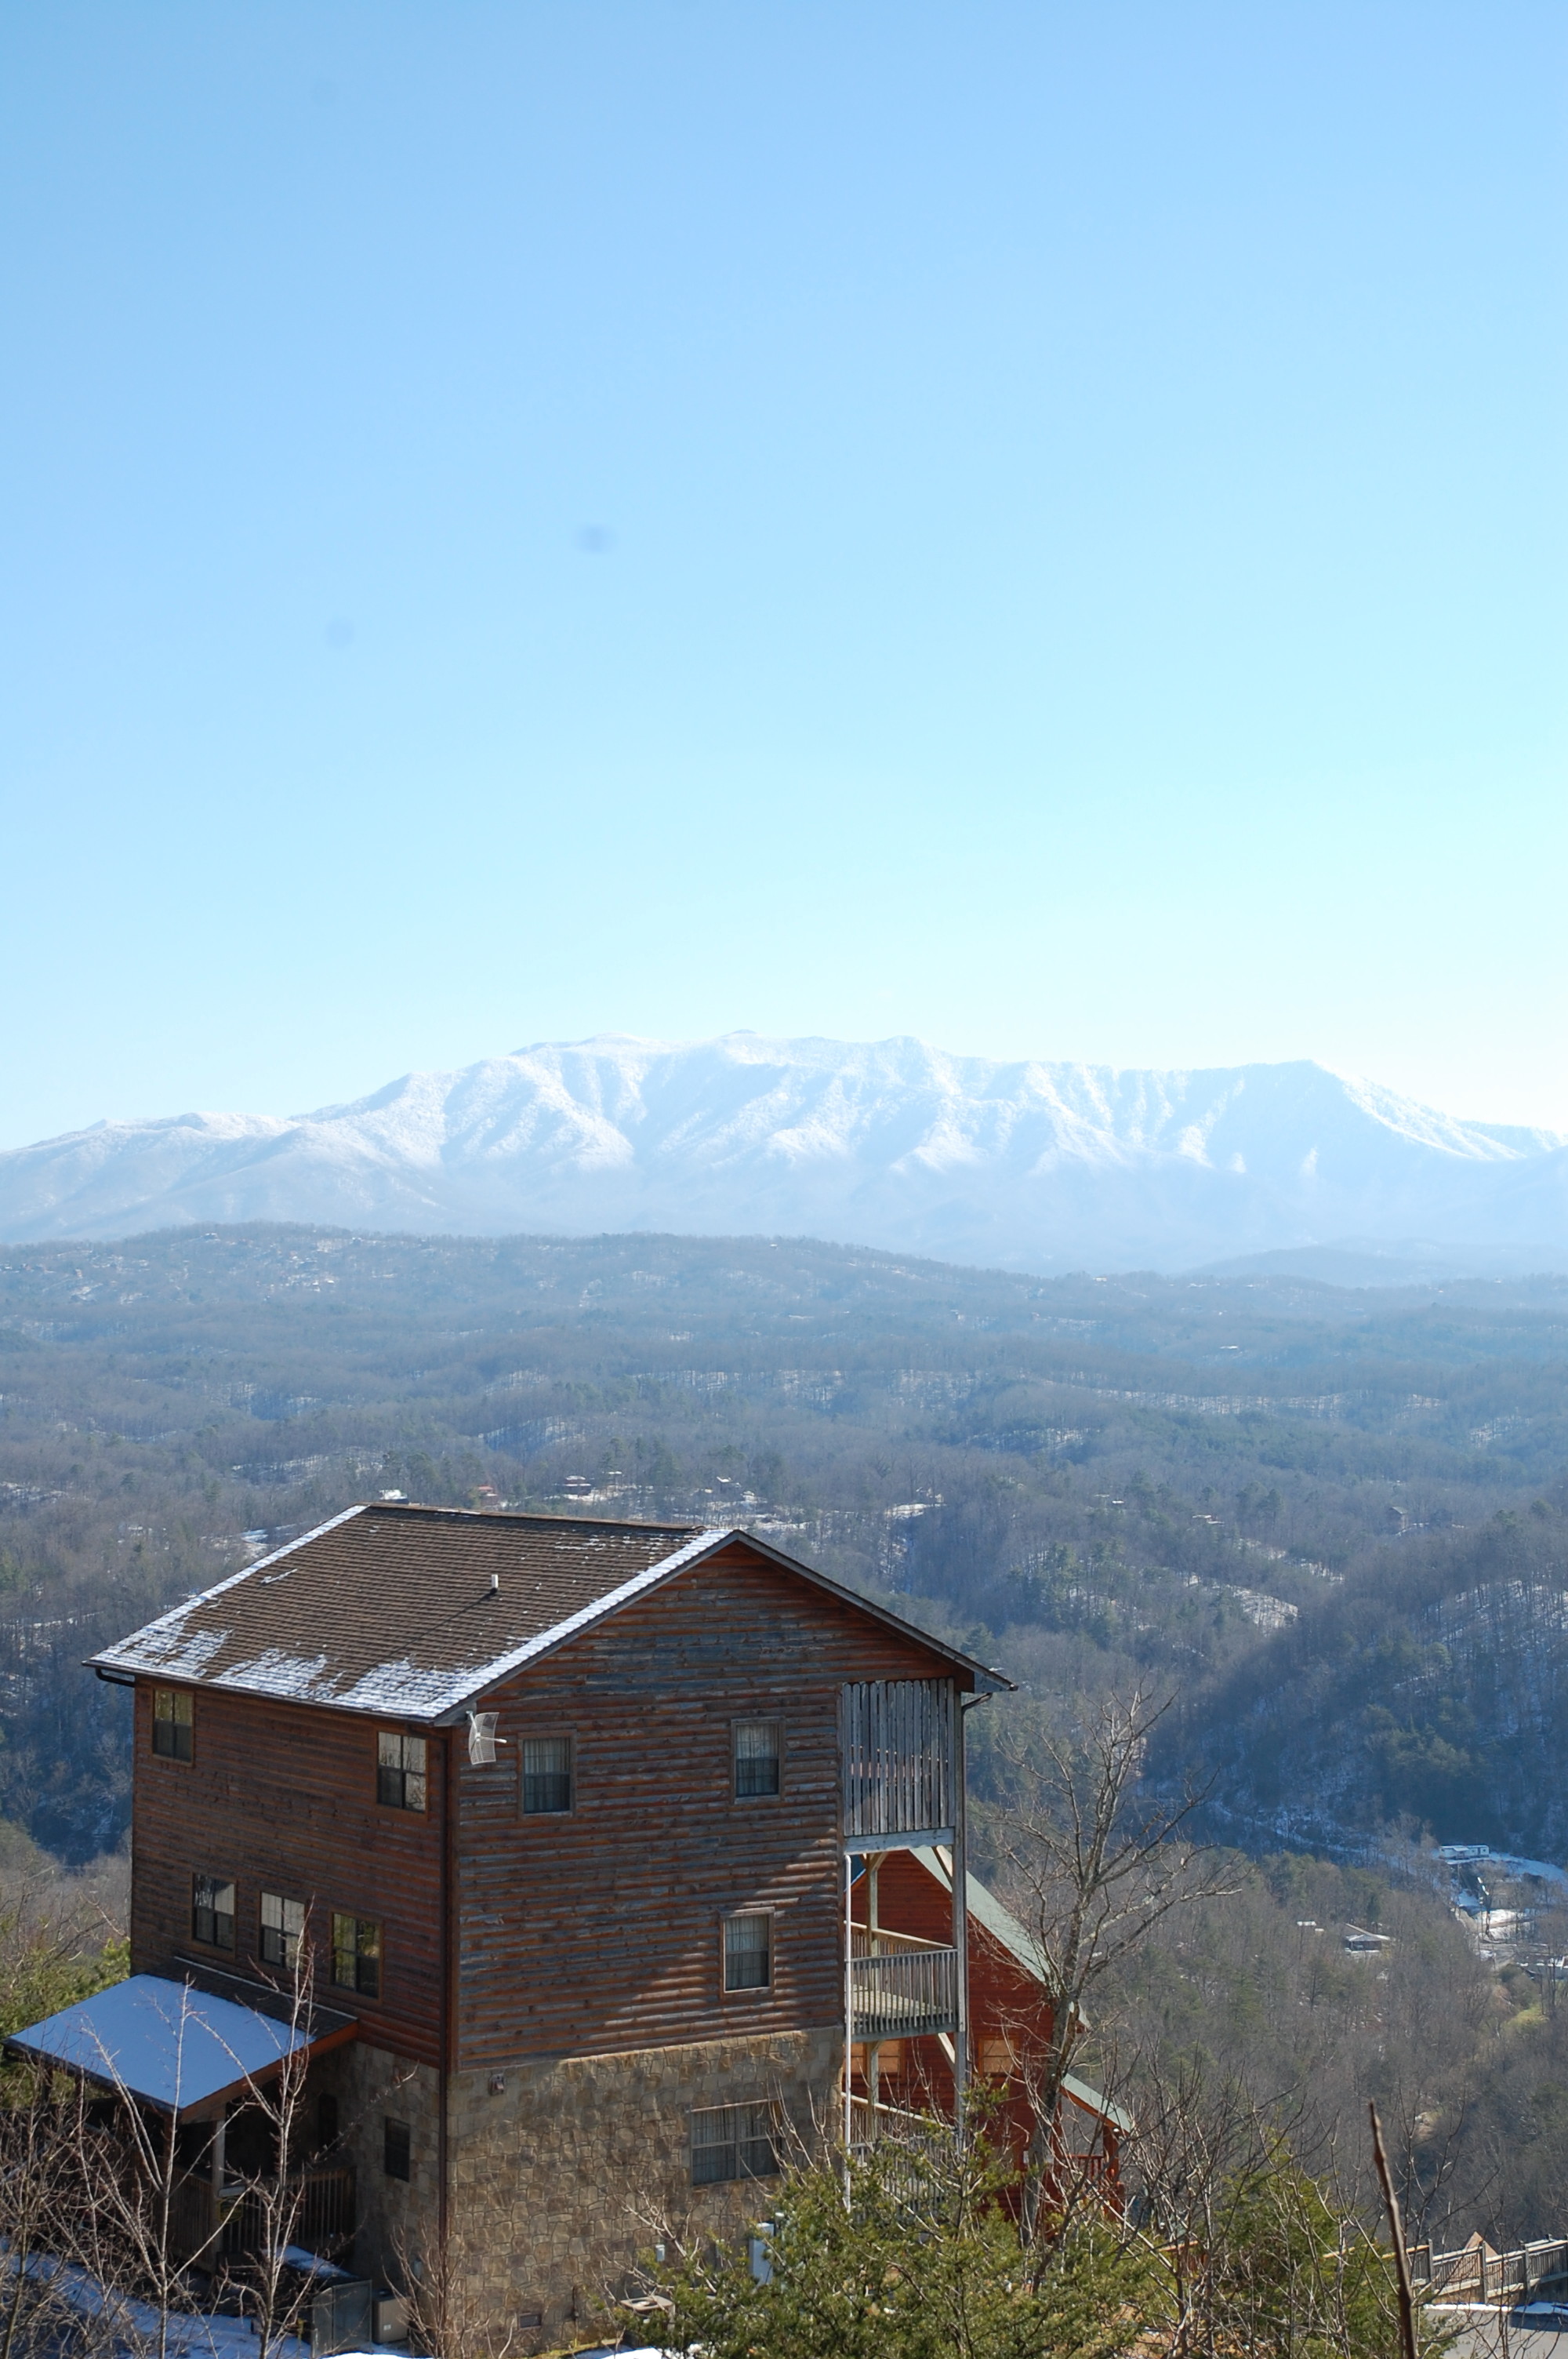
x,y
1025,1163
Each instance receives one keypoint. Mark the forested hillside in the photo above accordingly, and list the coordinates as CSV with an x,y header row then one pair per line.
x,y
1333,1522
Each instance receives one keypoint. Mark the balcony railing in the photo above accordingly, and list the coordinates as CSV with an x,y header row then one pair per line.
x,y
318,2212
921,2140
904,1993
885,1944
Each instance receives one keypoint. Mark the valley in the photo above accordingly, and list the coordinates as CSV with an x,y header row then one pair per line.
x,y
1329,1522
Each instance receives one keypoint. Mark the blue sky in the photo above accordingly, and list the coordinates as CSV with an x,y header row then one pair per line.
x,y
1038,526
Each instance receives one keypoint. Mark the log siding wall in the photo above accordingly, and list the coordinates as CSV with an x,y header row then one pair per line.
x,y
508,1936
282,1798
602,1931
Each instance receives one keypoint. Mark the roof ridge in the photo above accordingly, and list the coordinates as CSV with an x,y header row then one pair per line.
x,y
511,1515
410,1612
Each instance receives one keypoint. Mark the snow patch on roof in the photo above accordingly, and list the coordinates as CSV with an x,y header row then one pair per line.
x,y
400,1689
153,1647
184,1654
274,1673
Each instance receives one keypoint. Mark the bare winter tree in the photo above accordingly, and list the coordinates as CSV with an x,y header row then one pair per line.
x,y
1093,1863
274,2189
454,2314
147,2220
43,2136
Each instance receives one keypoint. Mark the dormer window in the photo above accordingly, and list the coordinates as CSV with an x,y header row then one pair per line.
x,y
172,1728
399,1770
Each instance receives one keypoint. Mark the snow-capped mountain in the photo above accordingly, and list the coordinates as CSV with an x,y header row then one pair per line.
x,y
891,1144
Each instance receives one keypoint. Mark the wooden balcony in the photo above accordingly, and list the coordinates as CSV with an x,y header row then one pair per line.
x,y
897,1741
901,1988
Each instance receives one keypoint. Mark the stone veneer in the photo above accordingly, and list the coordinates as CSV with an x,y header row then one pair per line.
x,y
562,2175
372,2087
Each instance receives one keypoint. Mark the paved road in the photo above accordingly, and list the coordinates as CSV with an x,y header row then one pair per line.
x,y
1493,2334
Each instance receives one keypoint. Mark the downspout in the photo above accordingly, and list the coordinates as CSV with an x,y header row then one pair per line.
x,y
450,1987
961,1904
874,1946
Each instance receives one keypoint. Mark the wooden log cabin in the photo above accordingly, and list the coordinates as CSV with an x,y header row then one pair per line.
x,y
567,1820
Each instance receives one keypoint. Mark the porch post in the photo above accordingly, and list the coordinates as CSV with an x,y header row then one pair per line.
x,y
960,1916
219,2142
848,1999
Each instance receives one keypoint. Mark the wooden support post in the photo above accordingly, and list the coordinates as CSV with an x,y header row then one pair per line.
x,y
873,1949
960,1922
1401,2258
220,2141
849,2000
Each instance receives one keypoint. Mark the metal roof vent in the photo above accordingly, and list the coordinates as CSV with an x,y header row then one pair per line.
x,y
482,1738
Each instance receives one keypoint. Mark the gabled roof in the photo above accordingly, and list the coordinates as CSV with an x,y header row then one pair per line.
x,y
412,1612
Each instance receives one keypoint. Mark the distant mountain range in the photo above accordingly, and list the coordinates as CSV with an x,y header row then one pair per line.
x,y
1033,1165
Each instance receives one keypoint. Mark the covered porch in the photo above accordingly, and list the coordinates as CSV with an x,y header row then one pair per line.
x,y
219,2076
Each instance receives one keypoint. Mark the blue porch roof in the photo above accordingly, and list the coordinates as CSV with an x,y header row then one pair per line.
x,y
170,2044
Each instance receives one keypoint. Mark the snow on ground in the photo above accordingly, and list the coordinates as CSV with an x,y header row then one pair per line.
x,y
134,2326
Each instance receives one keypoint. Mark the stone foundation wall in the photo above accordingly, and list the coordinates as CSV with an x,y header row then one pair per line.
x,y
372,2087
562,2172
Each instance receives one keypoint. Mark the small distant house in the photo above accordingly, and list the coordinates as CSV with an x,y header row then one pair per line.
x,y
576,1832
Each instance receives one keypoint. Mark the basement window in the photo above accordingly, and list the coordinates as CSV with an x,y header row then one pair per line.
x,y
356,1954
213,1911
399,1770
172,1730
757,1751
547,1774
282,1931
748,1951
733,2142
